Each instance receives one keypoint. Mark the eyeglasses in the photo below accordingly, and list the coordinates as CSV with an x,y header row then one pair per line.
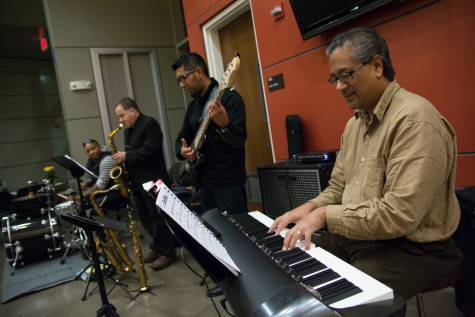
x,y
182,78
346,77
88,141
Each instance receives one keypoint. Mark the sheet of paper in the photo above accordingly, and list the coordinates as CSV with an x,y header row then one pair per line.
x,y
175,208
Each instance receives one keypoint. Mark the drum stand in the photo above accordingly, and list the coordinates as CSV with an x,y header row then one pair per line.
x,y
79,243
49,190
18,250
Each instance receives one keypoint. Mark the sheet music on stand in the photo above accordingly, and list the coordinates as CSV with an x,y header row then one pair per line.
x,y
78,164
72,165
175,208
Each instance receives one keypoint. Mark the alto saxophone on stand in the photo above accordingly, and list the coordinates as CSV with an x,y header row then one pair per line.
x,y
115,251
121,179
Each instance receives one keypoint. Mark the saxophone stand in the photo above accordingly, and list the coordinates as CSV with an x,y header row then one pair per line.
x,y
89,225
142,290
144,287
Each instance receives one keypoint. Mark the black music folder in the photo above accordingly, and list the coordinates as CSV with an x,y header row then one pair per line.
x,y
93,224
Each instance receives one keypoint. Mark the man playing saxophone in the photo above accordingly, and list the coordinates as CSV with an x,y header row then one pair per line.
x,y
144,161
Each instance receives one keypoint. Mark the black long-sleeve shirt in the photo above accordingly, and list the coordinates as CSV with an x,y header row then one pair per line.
x,y
223,151
144,152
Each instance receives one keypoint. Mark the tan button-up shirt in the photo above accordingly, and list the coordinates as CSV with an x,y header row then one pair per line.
x,y
395,175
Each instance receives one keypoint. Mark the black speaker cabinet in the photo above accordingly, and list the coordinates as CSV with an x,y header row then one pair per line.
x,y
465,238
294,134
287,185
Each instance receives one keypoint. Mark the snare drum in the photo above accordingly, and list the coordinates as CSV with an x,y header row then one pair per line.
x,y
32,239
69,206
65,227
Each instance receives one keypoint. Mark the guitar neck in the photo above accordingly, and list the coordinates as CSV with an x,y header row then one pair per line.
x,y
225,83
198,140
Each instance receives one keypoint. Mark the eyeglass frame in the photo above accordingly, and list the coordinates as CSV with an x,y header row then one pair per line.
x,y
350,74
183,77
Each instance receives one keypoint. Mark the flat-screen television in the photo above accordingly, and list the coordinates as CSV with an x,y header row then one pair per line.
x,y
315,16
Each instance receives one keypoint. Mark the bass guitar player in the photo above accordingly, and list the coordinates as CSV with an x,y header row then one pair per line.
x,y
213,134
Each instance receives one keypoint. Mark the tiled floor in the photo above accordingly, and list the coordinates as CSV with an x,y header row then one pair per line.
x,y
178,293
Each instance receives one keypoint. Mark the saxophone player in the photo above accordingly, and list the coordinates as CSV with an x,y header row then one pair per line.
x,y
144,161
100,162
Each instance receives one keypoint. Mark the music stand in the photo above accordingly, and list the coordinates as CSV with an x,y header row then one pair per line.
x,y
207,260
77,171
109,270
90,225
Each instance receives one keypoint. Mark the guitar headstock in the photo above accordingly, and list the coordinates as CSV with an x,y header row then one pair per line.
x,y
226,80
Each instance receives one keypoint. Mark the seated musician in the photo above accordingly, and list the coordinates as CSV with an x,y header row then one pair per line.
x,y
100,162
390,207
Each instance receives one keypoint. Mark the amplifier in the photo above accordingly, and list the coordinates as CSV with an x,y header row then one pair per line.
x,y
289,184
317,157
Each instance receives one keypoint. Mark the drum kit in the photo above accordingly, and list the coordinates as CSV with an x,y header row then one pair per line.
x,y
35,231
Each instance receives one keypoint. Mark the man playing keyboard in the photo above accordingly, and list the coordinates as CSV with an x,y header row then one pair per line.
x,y
390,208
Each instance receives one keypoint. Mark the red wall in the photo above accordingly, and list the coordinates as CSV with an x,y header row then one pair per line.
x,y
431,45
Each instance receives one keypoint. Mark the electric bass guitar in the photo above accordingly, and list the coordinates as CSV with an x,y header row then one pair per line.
x,y
187,172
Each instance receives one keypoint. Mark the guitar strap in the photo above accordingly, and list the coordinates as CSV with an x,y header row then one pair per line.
x,y
210,97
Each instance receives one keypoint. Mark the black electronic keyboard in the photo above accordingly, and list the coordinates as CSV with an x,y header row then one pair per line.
x,y
294,283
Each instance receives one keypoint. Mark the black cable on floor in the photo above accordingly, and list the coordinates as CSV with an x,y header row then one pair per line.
x,y
203,278
223,304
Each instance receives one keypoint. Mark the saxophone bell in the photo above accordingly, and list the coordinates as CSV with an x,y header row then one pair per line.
x,y
120,181
115,172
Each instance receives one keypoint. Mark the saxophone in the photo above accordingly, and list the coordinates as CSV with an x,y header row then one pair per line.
x,y
139,257
117,173
115,251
